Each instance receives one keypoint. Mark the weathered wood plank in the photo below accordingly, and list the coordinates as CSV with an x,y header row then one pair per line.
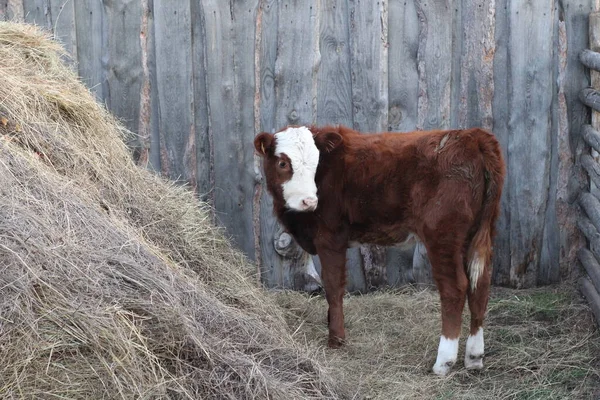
x,y
403,94
230,36
38,12
56,16
592,296
92,57
334,96
435,76
591,137
173,28
592,168
369,64
530,66
144,156
591,205
63,24
269,261
476,84
403,77
14,10
591,234
562,238
294,102
125,73
591,98
434,53
204,157
590,59
590,263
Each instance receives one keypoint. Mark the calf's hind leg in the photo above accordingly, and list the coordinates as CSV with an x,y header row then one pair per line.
x,y
452,283
478,300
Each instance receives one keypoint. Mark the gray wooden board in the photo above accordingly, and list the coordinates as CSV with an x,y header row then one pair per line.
x,y
403,93
203,141
38,12
566,177
369,66
125,73
295,84
230,34
529,69
334,97
63,24
91,45
270,261
173,28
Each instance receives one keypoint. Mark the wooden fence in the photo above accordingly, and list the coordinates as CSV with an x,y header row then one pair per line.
x,y
590,224
198,79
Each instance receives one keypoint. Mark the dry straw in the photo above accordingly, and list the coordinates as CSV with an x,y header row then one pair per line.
x,y
114,283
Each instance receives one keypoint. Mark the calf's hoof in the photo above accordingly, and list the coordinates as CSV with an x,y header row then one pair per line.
x,y
442,369
473,362
335,342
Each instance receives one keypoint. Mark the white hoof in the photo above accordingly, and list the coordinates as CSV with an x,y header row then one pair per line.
x,y
443,369
474,362
474,351
446,357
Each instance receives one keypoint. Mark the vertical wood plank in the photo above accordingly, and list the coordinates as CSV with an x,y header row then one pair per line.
x,y
476,64
269,261
295,104
529,73
173,31
204,145
434,66
38,12
433,56
63,24
125,73
403,93
91,39
14,10
369,63
334,97
230,35
562,239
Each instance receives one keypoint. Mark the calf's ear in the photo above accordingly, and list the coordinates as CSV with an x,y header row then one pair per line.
x,y
328,141
263,143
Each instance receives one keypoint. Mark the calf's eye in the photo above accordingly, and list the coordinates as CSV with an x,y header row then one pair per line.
x,y
282,164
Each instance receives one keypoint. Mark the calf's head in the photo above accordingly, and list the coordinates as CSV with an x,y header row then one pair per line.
x,y
291,158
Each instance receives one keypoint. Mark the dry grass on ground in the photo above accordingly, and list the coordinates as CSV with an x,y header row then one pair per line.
x,y
540,344
113,282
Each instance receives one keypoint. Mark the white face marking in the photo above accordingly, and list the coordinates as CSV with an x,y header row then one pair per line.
x,y
300,192
446,357
474,351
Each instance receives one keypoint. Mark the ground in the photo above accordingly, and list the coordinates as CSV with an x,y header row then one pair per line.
x,y
540,344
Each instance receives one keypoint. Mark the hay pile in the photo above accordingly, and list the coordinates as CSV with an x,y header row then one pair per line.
x,y
541,344
113,283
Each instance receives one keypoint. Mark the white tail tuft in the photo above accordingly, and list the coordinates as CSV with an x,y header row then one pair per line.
x,y
476,267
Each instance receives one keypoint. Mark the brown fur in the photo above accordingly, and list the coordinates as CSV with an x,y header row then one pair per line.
x,y
443,186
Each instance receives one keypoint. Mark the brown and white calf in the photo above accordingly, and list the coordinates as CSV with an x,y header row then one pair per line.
x,y
333,186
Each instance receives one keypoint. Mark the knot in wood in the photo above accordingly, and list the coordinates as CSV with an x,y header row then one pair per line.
x,y
293,116
283,244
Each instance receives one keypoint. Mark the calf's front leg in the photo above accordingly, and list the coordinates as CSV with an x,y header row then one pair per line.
x,y
333,273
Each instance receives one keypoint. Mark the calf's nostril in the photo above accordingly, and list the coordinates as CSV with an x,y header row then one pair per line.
x,y
309,202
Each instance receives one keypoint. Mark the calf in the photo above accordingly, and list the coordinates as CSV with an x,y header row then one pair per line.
x,y
332,187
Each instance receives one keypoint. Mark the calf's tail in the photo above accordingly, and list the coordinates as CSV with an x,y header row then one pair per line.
x,y
479,255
